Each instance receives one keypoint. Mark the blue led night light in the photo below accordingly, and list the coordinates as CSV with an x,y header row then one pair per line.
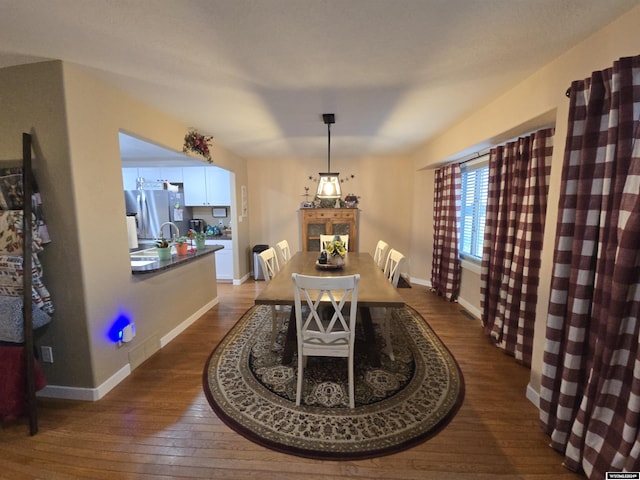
x,y
115,332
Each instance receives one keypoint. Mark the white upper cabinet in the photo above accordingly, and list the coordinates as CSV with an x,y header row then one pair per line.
x,y
172,174
203,186
158,174
195,186
206,186
218,186
150,174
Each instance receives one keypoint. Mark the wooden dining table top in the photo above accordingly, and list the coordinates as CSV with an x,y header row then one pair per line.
x,y
374,289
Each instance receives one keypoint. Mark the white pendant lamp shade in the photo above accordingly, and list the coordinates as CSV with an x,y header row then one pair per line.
x,y
329,184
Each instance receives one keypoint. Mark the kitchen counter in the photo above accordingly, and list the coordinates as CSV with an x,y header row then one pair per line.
x,y
148,243
147,260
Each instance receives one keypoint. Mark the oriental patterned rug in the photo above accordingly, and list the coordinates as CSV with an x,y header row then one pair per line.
x,y
398,404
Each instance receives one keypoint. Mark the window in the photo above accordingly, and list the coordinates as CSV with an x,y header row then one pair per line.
x,y
475,187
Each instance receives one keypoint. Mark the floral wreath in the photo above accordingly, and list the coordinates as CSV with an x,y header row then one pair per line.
x,y
195,142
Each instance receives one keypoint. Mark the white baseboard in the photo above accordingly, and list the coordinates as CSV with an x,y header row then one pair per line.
x,y
533,396
420,281
94,394
473,310
242,280
87,394
476,312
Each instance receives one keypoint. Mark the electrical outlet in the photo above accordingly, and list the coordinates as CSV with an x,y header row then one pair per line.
x,y
46,354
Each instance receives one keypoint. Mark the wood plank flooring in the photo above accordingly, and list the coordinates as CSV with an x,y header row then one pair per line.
x,y
157,423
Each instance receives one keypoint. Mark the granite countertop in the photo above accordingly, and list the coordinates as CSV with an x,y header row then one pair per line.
x,y
152,265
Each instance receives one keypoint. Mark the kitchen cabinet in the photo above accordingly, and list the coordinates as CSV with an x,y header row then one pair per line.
x,y
328,221
155,174
172,174
150,174
224,260
206,186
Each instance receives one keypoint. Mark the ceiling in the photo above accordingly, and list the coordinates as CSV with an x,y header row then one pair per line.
x,y
258,74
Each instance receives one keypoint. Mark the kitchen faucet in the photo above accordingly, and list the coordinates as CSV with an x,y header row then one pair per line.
x,y
171,224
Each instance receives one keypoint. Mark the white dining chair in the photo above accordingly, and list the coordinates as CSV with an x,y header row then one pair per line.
x,y
324,239
393,266
283,252
269,264
381,253
383,315
322,327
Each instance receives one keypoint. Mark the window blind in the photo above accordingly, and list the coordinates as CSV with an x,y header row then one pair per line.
x,y
475,189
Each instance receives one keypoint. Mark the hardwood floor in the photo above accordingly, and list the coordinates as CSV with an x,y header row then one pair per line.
x,y
157,423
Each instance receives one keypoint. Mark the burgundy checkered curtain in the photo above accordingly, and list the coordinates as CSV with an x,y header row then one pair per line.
x,y
445,267
514,230
590,392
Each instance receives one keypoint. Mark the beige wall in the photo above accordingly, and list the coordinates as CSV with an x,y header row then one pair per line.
x,y
536,102
78,169
36,105
76,119
160,302
385,186
421,251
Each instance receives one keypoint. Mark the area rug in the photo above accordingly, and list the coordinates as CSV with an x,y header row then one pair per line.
x,y
399,404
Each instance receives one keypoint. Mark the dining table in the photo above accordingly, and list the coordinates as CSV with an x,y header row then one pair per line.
x,y
374,290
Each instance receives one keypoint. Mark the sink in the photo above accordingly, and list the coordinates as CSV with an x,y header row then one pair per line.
x,y
143,257
142,263
148,252
146,256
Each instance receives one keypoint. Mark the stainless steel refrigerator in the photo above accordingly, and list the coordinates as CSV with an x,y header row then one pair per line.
x,y
152,208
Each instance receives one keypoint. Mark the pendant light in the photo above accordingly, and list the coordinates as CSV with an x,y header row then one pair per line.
x,y
329,185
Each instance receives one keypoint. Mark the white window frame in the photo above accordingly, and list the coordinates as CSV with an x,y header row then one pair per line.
x,y
476,209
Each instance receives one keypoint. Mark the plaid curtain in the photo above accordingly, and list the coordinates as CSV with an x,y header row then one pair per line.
x,y
516,209
445,267
590,392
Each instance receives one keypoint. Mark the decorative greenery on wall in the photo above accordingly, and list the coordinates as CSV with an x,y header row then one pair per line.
x,y
195,142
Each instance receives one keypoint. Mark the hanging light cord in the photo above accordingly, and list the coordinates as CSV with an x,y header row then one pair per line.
x,y
329,148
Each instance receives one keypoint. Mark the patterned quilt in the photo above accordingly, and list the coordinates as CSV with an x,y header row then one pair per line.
x,y
11,323
11,259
